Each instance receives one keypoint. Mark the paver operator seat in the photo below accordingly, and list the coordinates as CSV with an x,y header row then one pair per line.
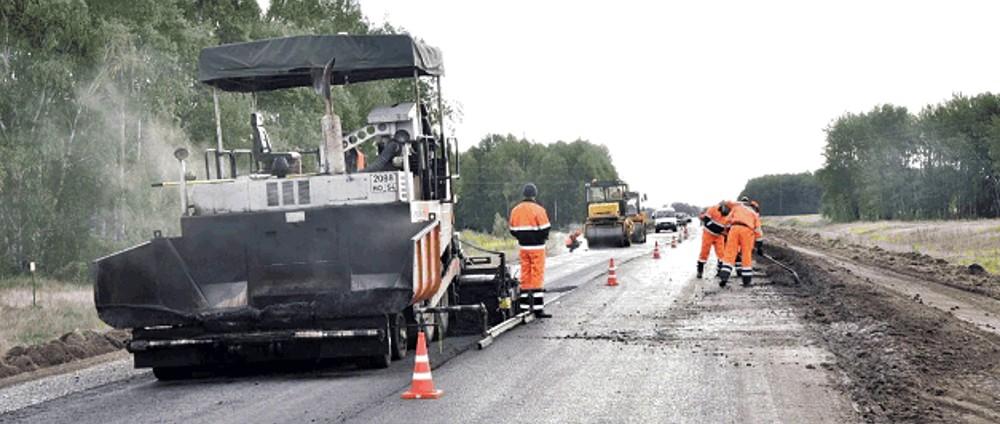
x,y
277,163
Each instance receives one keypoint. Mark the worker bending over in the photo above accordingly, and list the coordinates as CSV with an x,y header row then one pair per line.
x,y
713,234
529,224
573,240
744,229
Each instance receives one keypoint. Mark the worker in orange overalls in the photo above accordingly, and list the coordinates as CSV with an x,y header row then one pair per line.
x,y
713,234
744,229
529,224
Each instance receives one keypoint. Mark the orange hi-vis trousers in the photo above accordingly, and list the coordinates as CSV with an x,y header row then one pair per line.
x,y
532,269
740,238
708,241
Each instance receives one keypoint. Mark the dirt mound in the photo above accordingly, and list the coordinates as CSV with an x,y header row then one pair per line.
x,y
69,347
902,361
972,278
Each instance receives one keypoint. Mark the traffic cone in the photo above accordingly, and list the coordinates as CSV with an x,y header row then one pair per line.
x,y
673,242
422,386
612,277
656,250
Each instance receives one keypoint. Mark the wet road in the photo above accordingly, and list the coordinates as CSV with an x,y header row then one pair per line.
x,y
661,347
115,393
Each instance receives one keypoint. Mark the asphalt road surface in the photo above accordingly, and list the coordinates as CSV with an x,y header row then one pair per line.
x,y
661,347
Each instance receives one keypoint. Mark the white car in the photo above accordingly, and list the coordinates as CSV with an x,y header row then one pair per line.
x,y
665,219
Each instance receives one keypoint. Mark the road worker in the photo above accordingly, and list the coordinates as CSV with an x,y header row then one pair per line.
x,y
713,234
757,240
529,224
758,244
744,229
573,241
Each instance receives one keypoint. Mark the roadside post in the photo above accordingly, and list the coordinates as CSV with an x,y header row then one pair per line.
x,y
34,285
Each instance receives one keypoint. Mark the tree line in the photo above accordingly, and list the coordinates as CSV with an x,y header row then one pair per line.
x,y
889,163
494,171
785,194
96,94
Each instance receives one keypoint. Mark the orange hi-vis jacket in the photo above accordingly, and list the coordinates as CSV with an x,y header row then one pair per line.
x,y
744,228
742,215
529,224
713,221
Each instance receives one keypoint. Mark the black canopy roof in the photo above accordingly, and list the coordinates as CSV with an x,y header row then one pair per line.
x,y
289,62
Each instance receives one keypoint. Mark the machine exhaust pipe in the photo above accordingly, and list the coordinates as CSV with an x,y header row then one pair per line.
x,y
182,154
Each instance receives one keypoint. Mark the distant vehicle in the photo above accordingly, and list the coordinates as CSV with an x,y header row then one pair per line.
x,y
683,218
665,219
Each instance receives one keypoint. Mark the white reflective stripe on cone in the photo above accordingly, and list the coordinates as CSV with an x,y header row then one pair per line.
x,y
422,358
421,376
542,247
538,294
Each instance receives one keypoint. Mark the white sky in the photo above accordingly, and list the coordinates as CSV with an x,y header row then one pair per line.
x,y
693,98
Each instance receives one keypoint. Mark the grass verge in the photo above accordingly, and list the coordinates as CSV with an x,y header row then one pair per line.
x,y
61,308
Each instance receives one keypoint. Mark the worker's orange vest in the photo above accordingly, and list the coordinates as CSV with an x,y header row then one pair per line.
x,y
742,215
713,221
529,224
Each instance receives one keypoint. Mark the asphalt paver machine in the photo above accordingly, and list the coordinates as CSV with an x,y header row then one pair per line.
x,y
286,263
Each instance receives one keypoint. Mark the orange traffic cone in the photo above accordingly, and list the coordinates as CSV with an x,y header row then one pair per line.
x,y
422,386
673,242
656,250
612,277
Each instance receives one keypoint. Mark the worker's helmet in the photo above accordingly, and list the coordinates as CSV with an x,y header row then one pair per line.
x,y
530,191
745,200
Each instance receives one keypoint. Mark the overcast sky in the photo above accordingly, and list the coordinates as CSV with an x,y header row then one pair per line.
x,y
693,98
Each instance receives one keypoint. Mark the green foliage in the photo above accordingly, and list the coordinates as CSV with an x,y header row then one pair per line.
x,y
500,227
495,171
785,194
96,94
890,164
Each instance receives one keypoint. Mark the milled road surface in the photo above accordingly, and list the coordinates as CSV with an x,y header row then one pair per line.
x,y
661,347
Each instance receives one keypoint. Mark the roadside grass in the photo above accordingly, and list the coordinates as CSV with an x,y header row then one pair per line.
x,y
508,245
796,221
959,242
62,308
490,242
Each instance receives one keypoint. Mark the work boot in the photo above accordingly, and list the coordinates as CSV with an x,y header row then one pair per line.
x,y
542,314
739,272
701,268
746,280
724,274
